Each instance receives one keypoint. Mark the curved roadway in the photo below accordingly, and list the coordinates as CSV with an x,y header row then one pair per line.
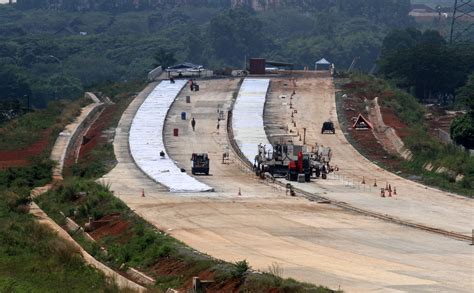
x,y
311,242
315,103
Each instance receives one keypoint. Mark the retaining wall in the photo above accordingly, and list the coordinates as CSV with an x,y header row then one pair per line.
x,y
63,145
71,133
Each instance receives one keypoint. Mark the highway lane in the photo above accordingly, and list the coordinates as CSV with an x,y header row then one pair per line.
x,y
311,242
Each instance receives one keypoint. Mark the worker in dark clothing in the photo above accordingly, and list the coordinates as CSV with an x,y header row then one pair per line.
x,y
193,123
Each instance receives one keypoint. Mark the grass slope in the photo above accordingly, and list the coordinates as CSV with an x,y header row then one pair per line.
x,y
425,148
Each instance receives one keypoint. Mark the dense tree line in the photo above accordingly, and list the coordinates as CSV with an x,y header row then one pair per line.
x,y
433,70
56,54
425,63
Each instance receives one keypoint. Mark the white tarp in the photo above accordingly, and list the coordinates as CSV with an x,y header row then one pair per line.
x,y
247,117
146,140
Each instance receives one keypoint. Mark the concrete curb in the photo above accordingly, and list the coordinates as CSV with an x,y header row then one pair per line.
x,y
62,146
119,280
389,132
64,142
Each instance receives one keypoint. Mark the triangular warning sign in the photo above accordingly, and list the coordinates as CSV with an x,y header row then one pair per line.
x,y
362,123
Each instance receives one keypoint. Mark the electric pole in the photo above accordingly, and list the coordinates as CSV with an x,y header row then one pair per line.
x,y
462,21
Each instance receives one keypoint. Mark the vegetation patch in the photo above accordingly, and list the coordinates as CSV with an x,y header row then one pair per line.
x,y
132,242
96,155
23,131
426,149
32,258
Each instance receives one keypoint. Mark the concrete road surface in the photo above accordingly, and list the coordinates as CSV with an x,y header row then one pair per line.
x,y
315,103
311,242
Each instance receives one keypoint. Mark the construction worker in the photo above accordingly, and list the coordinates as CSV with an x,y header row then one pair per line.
x,y
193,124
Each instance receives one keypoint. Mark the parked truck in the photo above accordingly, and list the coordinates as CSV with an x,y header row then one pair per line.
x,y
200,164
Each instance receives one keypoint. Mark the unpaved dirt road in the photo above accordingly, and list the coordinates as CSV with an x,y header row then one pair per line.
x,y
311,242
315,103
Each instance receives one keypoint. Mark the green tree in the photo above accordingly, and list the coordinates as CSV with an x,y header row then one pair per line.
x,y
164,58
13,85
462,130
425,63
465,95
237,33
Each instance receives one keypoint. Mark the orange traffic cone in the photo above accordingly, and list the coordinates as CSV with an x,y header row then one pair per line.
x,y
240,193
394,190
375,183
386,185
143,192
363,180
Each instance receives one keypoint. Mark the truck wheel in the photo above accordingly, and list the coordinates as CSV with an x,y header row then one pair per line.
x,y
324,176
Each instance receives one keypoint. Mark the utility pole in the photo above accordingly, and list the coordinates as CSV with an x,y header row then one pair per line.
x,y
354,61
453,21
463,12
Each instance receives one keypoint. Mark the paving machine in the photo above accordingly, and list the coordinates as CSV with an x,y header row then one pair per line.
x,y
291,161
200,164
321,156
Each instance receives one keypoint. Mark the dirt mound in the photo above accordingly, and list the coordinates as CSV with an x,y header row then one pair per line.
x,y
170,267
392,120
365,140
19,158
111,225
94,135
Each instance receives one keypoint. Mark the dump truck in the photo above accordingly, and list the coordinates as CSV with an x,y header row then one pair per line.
x,y
200,164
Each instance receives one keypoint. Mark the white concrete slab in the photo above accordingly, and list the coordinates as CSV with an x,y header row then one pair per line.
x,y
247,117
146,140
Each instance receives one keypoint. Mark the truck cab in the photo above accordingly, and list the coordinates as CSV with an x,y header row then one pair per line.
x,y
200,164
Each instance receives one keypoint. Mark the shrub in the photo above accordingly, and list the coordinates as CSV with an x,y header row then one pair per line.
x,y
462,130
240,269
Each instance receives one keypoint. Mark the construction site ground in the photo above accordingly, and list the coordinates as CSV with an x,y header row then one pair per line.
x,y
313,242
19,158
315,103
373,149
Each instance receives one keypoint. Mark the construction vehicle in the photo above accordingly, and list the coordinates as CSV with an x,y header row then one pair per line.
x,y
328,126
200,164
290,161
320,161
